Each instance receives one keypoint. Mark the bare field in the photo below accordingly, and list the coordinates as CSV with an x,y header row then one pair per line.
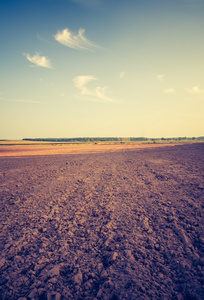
x,y
101,222
21,148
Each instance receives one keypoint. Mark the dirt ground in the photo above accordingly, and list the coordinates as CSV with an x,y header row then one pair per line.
x,y
110,225
23,149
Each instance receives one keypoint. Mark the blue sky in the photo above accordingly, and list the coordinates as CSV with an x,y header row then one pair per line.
x,y
101,68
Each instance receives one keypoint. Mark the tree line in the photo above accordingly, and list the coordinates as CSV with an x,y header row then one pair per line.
x,y
111,139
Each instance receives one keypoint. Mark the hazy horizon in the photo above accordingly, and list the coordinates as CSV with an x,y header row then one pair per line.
x,y
101,68
128,138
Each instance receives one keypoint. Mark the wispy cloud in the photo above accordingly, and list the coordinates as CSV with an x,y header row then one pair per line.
x,y
160,77
169,91
78,41
38,60
80,83
123,74
96,94
196,90
41,38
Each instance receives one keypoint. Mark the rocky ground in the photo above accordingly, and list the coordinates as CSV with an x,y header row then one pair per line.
x,y
119,225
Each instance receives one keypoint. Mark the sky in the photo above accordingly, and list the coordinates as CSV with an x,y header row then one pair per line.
x,y
101,68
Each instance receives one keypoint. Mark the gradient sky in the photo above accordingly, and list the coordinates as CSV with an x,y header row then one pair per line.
x,y
101,68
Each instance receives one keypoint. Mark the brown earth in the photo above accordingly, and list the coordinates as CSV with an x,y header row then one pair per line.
x,y
22,149
110,225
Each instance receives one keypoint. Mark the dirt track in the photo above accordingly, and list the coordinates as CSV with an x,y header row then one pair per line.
x,y
112,225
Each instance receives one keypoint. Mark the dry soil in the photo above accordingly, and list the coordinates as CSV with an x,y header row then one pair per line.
x,y
109,225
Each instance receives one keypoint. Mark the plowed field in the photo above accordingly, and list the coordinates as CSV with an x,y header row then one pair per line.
x,y
125,224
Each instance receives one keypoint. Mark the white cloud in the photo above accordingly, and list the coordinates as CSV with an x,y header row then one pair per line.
x,y
41,61
80,83
78,42
123,74
196,90
169,91
160,77
95,94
